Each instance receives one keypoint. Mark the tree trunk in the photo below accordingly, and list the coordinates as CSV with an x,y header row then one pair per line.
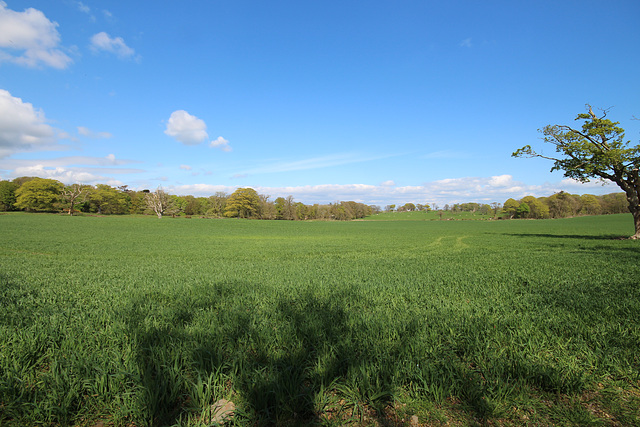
x,y
636,223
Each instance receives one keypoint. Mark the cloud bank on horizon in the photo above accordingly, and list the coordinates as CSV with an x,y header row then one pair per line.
x,y
427,111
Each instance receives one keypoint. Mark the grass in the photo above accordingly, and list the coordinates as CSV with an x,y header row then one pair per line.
x,y
139,321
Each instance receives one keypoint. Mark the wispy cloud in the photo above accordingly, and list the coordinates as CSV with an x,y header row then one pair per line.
x,y
466,43
314,163
83,131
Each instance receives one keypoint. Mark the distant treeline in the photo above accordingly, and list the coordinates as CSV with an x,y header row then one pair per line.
x,y
558,205
33,194
48,195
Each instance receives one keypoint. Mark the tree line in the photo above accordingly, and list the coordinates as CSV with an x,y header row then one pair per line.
x,y
563,205
34,194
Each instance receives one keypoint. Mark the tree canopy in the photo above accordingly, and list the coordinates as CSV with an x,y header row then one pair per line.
x,y
597,150
243,203
39,194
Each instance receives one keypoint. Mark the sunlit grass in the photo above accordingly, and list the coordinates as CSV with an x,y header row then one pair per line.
x,y
149,322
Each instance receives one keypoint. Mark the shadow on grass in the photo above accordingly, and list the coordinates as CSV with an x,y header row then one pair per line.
x,y
288,356
571,236
318,357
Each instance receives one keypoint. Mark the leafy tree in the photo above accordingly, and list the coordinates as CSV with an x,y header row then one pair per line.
x,y
523,210
510,207
39,194
137,204
217,204
597,150
176,206
194,206
562,205
301,211
410,207
614,203
537,209
105,199
590,204
22,179
243,203
267,209
7,195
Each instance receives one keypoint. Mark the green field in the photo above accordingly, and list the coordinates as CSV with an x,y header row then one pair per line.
x,y
140,321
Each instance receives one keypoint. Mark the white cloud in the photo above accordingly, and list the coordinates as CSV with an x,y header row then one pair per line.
x,y
190,130
30,39
389,183
116,45
185,167
22,128
500,181
445,191
64,175
185,128
91,134
220,143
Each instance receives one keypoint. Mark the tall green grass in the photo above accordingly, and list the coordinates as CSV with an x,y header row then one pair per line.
x,y
139,321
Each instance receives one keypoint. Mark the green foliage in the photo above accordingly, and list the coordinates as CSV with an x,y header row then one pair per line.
x,y
523,210
7,195
510,207
39,195
318,322
597,150
243,203
105,199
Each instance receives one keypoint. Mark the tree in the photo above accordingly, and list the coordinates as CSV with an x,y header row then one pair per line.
x,y
590,204
523,210
495,206
39,194
105,199
217,204
158,201
537,209
243,203
7,195
510,207
74,193
597,150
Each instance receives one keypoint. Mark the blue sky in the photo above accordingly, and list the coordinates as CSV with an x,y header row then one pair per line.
x,y
379,102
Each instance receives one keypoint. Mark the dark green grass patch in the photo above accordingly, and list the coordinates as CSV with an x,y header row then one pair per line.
x,y
139,321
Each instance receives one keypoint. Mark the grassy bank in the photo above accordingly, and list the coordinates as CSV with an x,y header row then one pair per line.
x,y
139,321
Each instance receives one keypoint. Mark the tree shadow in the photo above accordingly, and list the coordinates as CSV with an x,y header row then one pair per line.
x,y
312,357
570,236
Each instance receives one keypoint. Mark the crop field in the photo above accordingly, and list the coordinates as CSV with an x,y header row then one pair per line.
x,y
135,321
